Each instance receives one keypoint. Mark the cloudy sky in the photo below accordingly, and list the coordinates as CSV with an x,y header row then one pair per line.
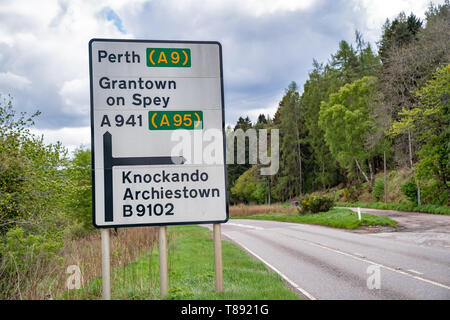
x,y
266,45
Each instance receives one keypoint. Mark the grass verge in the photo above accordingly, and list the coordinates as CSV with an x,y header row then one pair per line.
x,y
427,208
338,218
191,273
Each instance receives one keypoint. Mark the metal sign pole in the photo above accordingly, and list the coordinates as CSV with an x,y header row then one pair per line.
x,y
163,277
218,257
106,272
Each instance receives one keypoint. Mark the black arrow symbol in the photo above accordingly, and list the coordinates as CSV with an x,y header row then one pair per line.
x,y
109,161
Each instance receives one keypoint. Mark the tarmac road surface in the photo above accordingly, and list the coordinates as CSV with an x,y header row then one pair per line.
x,y
327,263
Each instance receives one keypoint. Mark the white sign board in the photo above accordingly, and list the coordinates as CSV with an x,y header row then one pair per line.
x,y
158,140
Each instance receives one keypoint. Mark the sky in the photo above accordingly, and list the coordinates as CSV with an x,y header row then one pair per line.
x,y
266,45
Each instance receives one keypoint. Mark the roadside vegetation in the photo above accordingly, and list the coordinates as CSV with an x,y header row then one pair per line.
x,y
338,218
426,208
191,275
402,195
364,108
358,110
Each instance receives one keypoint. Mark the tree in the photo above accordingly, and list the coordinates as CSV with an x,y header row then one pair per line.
x,y
347,65
401,31
290,126
79,173
236,169
349,126
410,54
321,171
32,187
429,119
250,187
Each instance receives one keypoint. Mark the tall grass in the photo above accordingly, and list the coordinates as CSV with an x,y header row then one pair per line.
x,y
250,210
191,273
43,279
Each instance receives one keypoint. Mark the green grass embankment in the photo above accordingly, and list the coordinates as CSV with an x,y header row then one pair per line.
x,y
427,208
338,218
191,273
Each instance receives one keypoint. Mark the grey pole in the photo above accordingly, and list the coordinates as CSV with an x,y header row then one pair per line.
x,y
163,277
106,265
218,257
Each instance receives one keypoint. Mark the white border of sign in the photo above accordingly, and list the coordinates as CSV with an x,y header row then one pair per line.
x,y
92,130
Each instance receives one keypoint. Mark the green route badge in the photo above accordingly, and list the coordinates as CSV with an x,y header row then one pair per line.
x,y
168,57
173,120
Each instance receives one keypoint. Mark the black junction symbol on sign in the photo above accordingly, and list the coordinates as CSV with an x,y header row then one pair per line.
x,y
109,161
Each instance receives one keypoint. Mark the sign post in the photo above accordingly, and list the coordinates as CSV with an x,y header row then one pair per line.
x,y
106,265
163,271
218,257
158,137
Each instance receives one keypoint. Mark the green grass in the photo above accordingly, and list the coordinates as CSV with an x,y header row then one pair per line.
x,y
191,273
338,218
427,208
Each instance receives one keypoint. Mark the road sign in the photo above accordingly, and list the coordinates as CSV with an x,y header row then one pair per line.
x,y
144,96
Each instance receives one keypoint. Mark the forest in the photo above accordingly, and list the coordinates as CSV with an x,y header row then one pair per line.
x,y
362,108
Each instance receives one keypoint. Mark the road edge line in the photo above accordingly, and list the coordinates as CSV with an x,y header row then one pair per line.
x,y
291,283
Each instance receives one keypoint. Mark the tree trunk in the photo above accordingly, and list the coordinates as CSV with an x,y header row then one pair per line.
x,y
299,151
323,175
385,180
410,150
362,172
371,173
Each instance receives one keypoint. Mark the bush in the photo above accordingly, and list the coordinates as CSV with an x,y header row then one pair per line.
x,y
378,190
21,251
79,194
352,193
435,193
409,189
315,204
23,260
249,187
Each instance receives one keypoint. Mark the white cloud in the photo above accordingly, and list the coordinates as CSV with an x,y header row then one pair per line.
x,y
9,79
71,138
267,44
44,55
251,7
75,95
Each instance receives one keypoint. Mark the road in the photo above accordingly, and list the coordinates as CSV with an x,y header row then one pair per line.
x,y
326,263
415,227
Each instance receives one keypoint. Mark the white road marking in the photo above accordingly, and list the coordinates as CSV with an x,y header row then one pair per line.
x,y
414,271
374,263
244,226
292,283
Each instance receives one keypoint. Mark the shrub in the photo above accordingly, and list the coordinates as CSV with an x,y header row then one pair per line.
x,y
21,251
315,204
378,190
409,189
24,258
435,193
352,193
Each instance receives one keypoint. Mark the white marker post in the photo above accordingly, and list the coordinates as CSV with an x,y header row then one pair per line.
x,y
359,213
